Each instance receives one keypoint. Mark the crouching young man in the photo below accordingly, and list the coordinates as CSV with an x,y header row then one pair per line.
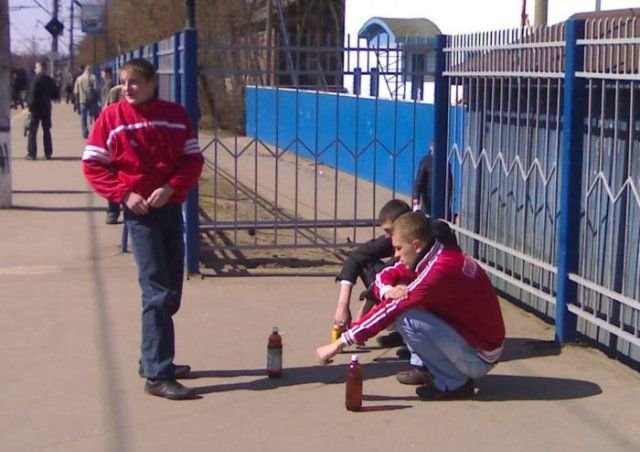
x,y
443,305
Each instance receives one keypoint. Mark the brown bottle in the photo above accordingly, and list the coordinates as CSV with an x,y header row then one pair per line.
x,y
353,399
274,354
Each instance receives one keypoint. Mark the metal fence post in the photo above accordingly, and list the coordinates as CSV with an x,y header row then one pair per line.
x,y
189,97
568,251
357,81
440,132
374,87
154,54
177,93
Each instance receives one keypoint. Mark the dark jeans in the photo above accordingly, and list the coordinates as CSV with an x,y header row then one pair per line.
x,y
32,146
158,248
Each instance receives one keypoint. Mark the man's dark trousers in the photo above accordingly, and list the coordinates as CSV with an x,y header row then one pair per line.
x,y
158,248
32,146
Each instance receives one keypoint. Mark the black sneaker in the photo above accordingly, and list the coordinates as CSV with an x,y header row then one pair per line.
x,y
169,389
111,219
403,353
393,339
30,157
464,392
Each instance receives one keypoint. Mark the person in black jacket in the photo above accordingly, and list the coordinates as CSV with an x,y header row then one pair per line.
x,y
421,197
365,261
42,91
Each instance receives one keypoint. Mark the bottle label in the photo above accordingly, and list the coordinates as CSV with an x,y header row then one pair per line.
x,y
274,359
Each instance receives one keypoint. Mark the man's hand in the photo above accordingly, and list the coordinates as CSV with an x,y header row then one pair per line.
x,y
342,316
326,352
136,203
395,292
160,196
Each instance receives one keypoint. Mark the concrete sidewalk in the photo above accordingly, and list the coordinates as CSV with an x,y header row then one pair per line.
x,y
71,340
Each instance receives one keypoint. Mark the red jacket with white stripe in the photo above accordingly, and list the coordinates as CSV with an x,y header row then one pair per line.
x,y
139,148
448,284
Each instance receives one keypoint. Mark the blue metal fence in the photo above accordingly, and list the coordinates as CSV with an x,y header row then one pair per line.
x,y
544,126
549,160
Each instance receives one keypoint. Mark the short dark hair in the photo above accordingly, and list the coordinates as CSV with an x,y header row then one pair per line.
x,y
392,210
140,66
107,70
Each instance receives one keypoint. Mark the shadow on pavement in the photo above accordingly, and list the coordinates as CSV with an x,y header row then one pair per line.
x,y
494,388
51,192
58,209
502,388
523,348
293,376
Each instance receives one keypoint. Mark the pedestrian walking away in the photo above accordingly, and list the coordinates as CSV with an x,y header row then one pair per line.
x,y
143,153
87,95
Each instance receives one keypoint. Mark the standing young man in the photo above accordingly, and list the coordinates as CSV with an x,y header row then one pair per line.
x,y
143,153
42,91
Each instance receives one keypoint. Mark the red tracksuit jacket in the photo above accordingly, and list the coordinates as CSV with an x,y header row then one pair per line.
x,y
448,284
139,148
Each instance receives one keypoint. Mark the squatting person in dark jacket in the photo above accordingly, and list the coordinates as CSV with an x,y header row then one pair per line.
x,y
364,262
42,91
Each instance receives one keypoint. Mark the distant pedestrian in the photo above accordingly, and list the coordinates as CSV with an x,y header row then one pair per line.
x,y
107,84
42,91
17,87
111,96
68,87
87,94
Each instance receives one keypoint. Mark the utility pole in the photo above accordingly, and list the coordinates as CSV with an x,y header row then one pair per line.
x,y
54,41
541,13
190,14
5,119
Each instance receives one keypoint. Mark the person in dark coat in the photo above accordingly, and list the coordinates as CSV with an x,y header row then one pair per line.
x,y
42,91
421,196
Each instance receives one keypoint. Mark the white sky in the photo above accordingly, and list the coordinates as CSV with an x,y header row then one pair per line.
x,y
27,19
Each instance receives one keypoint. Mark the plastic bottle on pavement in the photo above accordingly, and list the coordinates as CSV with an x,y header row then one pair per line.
x,y
353,396
274,354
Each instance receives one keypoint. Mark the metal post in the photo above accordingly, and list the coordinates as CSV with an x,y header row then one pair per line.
x,y
54,41
541,13
5,119
190,14
440,129
357,80
190,102
570,182
374,86
177,85
71,57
